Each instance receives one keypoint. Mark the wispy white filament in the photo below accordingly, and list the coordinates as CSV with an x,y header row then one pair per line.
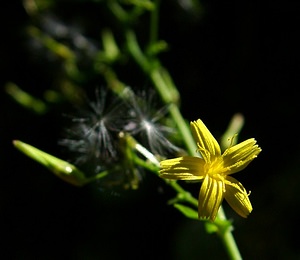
x,y
150,156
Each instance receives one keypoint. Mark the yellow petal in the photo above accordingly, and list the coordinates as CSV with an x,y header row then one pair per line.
x,y
208,146
210,198
182,168
237,157
237,197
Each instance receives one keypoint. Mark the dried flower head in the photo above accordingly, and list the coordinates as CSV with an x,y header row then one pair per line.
x,y
92,137
147,123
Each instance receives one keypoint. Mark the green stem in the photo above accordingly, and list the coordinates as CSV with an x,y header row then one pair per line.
x,y
226,237
153,166
228,240
164,88
152,68
183,129
154,18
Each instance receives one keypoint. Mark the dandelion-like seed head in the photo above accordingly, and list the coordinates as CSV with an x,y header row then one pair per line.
x,y
96,140
146,123
92,136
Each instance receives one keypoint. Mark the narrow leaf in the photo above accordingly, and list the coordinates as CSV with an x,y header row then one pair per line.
x,y
187,211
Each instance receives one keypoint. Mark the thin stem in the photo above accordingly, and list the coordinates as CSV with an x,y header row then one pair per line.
x,y
154,21
228,240
226,237
183,129
163,88
168,92
154,167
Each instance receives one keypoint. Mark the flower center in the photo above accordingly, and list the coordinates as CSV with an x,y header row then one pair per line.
x,y
215,169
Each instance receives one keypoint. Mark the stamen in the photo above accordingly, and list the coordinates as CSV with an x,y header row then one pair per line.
x,y
204,153
231,139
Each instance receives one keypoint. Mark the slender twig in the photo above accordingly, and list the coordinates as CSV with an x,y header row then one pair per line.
x,y
162,87
154,22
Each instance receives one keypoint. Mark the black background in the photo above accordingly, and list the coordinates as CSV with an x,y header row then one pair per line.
x,y
237,57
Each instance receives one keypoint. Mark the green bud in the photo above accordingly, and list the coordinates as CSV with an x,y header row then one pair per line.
x,y
62,169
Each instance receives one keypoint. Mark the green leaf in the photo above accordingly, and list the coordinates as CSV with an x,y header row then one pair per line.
x,y
219,225
62,169
187,211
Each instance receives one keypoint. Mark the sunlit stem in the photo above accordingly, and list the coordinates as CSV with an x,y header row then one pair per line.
x,y
154,166
163,87
169,95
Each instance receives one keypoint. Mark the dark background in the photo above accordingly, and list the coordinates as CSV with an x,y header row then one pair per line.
x,y
234,57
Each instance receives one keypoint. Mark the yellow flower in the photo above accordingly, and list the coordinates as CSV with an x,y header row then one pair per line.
x,y
214,169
